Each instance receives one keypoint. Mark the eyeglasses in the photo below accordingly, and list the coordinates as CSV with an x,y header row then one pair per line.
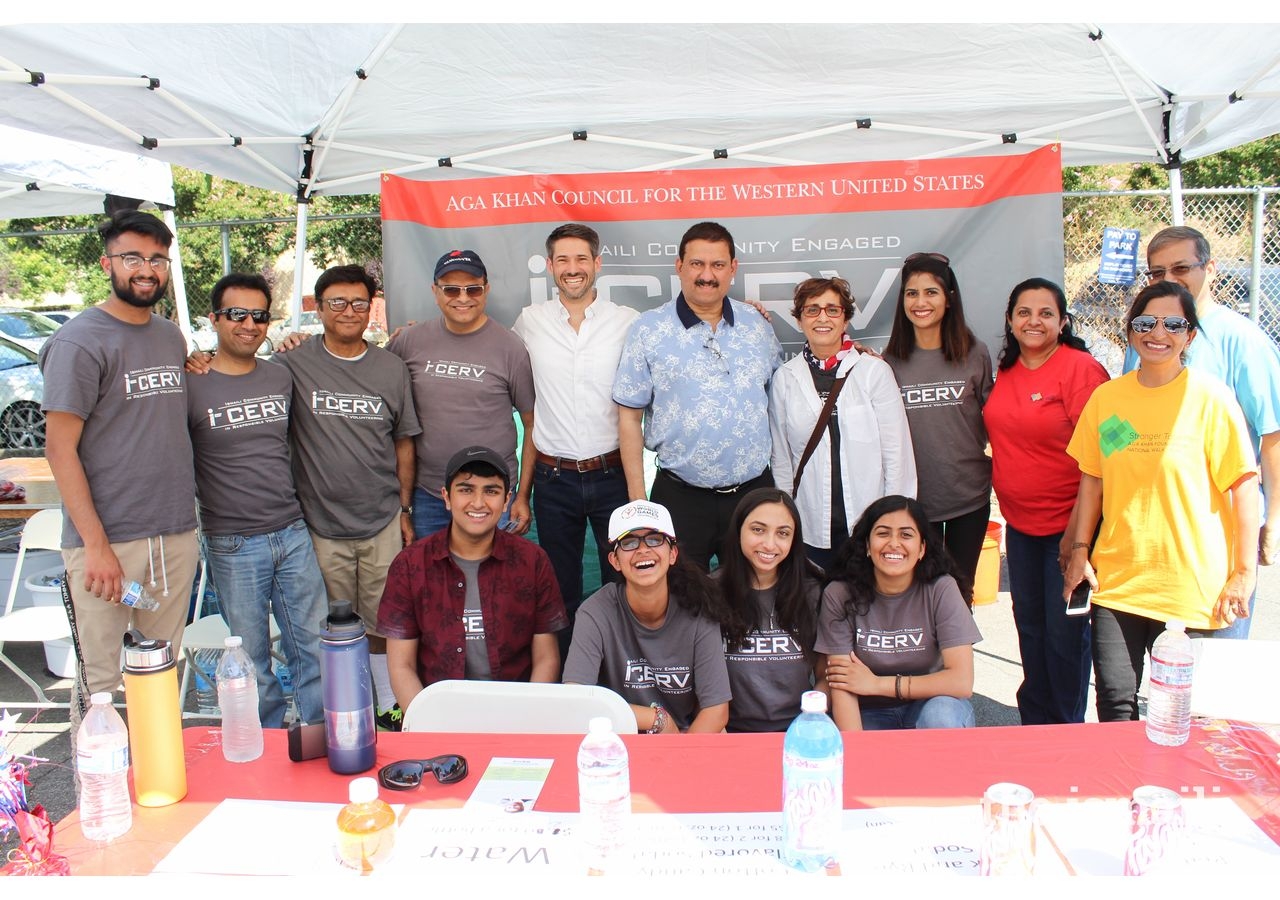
x,y
338,304
833,312
454,291
133,261
406,774
631,542
239,314
1181,270
1172,324
916,257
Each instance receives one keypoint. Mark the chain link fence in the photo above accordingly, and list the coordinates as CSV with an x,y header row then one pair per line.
x,y
1241,224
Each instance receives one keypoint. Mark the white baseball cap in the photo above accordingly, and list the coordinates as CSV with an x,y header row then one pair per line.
x,y
640,514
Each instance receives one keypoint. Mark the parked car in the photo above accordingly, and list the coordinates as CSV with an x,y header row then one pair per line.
x,y
61,316
21,391
22,326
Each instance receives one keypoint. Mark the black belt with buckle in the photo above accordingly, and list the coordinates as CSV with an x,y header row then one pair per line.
x,y
611,460
727,489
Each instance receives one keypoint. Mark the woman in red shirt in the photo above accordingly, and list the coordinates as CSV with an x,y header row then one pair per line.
x,y
1045,375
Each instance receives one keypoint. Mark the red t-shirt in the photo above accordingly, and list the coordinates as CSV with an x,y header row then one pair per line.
x,y
1030,417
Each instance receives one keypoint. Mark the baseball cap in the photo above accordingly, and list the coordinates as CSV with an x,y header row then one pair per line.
x,y
476,454
640,514
460,261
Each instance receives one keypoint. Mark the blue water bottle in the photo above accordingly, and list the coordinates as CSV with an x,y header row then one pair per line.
x,y
350,733
812,787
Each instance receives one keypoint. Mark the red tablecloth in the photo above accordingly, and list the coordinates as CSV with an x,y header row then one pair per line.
x,y
738,773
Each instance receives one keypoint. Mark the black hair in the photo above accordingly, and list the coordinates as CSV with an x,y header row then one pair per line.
x,y
135,222
574,230
957,339
797,577
853,565
247,280
479,467
1010,351
351,274
712,232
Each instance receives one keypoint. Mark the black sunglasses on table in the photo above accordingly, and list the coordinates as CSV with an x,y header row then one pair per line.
x,y
407,774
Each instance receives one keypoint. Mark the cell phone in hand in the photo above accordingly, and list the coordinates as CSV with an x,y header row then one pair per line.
x,y
1079,604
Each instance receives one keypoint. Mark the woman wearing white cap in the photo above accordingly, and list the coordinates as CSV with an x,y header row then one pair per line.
x,y
664,658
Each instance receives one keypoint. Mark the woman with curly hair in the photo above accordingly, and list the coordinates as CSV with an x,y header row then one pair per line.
x,y
896,626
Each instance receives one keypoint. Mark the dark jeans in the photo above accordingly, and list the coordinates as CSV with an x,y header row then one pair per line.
x,y
1056,657
701,515
1119,641
936,712
564,501
962,536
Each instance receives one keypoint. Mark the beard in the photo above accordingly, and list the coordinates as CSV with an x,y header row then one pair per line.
x,y
123,288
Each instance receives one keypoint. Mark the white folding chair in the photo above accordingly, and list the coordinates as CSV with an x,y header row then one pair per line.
x,y
43,531
515,707
210,633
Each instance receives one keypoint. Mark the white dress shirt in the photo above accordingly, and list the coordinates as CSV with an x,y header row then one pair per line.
x,y
574,415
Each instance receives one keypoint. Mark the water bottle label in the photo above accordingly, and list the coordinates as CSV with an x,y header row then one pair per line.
x,y
1170,674
812,802
131,594
103,762
350,730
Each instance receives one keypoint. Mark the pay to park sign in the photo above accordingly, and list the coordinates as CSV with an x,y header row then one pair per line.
x,y
998,218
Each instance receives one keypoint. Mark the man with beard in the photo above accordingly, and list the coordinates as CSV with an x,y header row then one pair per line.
x,y
574,345
117,444
698,368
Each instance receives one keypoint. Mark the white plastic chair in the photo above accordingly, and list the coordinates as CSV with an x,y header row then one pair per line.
x,y
43,531
515,707
210,633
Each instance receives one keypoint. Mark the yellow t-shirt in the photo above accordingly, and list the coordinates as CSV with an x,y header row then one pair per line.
x,y
1167,457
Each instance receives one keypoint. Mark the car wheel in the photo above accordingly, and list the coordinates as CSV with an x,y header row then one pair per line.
x,y
22,426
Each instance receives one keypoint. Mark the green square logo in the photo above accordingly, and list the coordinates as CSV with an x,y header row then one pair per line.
x,y
1116,434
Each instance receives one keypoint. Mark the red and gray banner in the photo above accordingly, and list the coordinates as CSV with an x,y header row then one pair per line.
x,y
998,218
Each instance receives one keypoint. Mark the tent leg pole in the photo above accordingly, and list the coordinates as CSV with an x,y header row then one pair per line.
x,y
299,264
1175,193
179,284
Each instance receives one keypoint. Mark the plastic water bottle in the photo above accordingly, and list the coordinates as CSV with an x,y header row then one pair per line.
x,y
366,827
135,595
604,795
102,759
238,697
206,676
1169,707
812,787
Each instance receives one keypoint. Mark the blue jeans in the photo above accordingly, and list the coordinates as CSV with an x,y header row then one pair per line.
x,y
936,712
1055,647
1239,629
274,573
564,501
430,514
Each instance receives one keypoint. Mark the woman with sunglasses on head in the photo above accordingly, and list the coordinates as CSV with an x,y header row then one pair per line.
x,y
944,373
1167,466
835,454
897,626
1046,375
655,638
771,590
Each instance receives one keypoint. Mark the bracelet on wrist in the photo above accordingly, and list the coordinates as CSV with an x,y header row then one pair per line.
x,y
660,718
1079,545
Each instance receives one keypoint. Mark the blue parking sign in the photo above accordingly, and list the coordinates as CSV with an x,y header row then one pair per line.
x,y
1119,264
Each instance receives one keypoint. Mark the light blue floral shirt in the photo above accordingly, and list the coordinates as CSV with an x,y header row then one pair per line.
x,y
705,393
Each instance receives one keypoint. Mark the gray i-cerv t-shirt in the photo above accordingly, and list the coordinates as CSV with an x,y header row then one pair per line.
x,y
477,649
240,434
127,383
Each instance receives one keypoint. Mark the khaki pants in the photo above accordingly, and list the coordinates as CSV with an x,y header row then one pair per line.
x,y
100,626
357,570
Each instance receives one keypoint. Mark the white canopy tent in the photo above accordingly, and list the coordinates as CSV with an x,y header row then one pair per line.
x,y
325,109
41,175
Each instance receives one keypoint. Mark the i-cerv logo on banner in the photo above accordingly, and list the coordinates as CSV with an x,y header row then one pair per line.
x,y
347,406
668,679
152,381
244,413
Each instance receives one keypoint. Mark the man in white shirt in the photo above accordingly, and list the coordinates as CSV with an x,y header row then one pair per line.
x,y
574,344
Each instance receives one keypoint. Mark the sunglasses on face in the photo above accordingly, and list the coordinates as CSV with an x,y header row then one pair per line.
x,y
1172,324
454,291
338,304
407,774
632,542
917,257
239,314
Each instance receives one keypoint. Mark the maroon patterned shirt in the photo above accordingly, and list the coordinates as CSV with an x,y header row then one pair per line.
x,y
425,594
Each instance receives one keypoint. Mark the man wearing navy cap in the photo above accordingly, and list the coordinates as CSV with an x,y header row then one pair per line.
x,y
471,601
468,373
